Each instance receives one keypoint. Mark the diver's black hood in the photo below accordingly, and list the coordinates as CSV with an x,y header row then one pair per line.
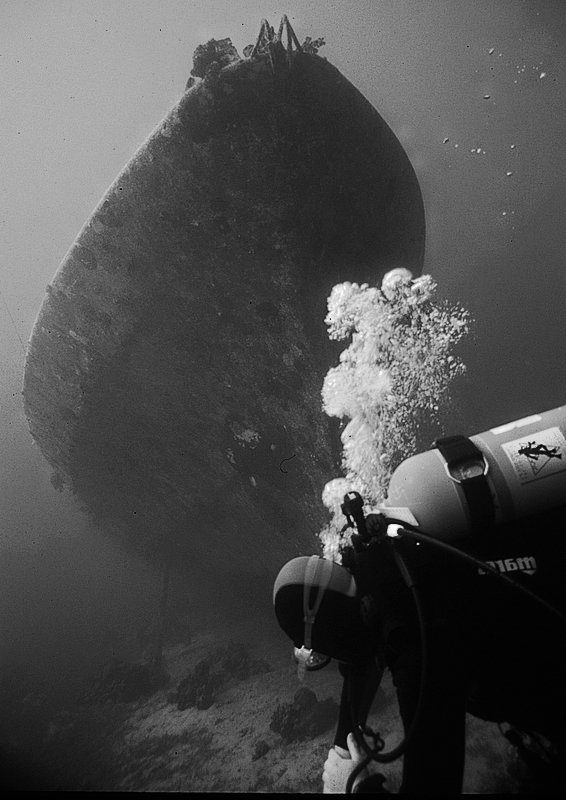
x,y
338,630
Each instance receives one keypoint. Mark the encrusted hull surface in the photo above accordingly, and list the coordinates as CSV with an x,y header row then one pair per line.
x,y
174,371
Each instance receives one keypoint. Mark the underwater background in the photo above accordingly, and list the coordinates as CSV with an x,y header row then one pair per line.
x,y
474,92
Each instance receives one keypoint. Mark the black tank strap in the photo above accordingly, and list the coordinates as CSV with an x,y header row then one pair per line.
x,y
460,451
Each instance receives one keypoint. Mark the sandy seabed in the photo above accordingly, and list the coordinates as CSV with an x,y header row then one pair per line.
x,y
150,745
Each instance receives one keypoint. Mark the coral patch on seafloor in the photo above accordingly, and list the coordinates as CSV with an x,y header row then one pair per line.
x,y
304,718
211,674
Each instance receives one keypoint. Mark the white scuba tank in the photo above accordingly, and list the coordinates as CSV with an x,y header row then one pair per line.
x,y
520,467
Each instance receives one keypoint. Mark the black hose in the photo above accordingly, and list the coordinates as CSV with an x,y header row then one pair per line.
x,y
420,536
355,772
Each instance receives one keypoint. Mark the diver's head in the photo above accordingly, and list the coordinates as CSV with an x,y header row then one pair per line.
x,y
317,605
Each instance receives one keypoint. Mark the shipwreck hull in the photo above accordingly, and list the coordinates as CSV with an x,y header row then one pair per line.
x,y
174,371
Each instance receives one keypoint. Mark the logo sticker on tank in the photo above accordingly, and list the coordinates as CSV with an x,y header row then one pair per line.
x,y
537,455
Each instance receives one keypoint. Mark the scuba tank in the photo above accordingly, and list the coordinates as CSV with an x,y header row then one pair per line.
x,y
465,484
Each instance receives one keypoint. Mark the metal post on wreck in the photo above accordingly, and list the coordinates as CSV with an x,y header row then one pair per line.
x,y
286,26
270,43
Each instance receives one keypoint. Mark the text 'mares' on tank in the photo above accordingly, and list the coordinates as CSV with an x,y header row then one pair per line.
x,y
174,372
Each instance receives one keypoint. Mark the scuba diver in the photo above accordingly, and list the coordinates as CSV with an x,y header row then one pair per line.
x,y
476,629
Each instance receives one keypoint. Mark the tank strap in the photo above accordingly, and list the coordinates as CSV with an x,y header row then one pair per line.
x,y
458,451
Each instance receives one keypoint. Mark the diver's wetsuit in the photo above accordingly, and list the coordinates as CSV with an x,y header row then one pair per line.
x,y
491,651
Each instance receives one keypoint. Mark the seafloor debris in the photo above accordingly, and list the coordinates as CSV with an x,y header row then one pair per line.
x,y
260,750
211,674
124,682
304,718
199,688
